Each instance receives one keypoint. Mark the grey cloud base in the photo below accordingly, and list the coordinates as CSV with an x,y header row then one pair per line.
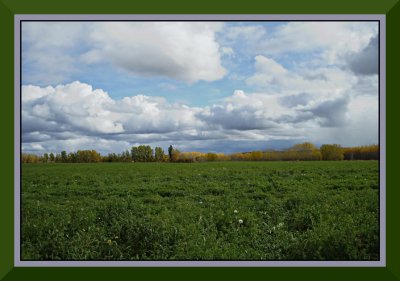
x,y
366,62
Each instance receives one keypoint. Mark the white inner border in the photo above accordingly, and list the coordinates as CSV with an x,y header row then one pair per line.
x,y
382,121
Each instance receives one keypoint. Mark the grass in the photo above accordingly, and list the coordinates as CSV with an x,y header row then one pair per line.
x,y
201,211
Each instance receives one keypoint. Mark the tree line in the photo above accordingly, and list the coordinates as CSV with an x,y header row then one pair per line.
x,y
145,153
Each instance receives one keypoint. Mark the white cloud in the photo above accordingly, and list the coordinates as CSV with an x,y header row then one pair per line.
x,y
74,106
48,49
267,71
186,51
76,116
144,114
333,39
318,43
79,107
243,112
32,93
273,78
51,34
33,147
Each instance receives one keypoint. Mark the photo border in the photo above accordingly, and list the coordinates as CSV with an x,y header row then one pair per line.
x,y
20,19
7,11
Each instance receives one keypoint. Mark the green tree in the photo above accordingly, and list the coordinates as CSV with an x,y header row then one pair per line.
x,y
142,153
125,156
112,157
58,158
72,157
147,153
128,157
158,154
64,157
45,158
135,153
332,152
51,157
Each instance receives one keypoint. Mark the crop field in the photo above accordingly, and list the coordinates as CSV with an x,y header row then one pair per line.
x,y
316,210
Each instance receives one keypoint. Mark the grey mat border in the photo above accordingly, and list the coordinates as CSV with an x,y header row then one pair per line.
x,y
199,17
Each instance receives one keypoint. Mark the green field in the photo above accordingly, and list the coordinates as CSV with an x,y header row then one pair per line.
x,y
201,211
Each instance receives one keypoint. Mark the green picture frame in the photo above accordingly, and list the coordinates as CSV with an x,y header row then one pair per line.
x,y
390,8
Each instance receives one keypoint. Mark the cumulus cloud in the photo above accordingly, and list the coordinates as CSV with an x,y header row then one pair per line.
x,y
273,78
79,107
331,39
74,106
144,114
239,115
186,51
76,116
268,71
177,50
306,45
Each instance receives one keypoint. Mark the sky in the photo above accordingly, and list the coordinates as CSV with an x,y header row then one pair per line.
x,y
199,86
